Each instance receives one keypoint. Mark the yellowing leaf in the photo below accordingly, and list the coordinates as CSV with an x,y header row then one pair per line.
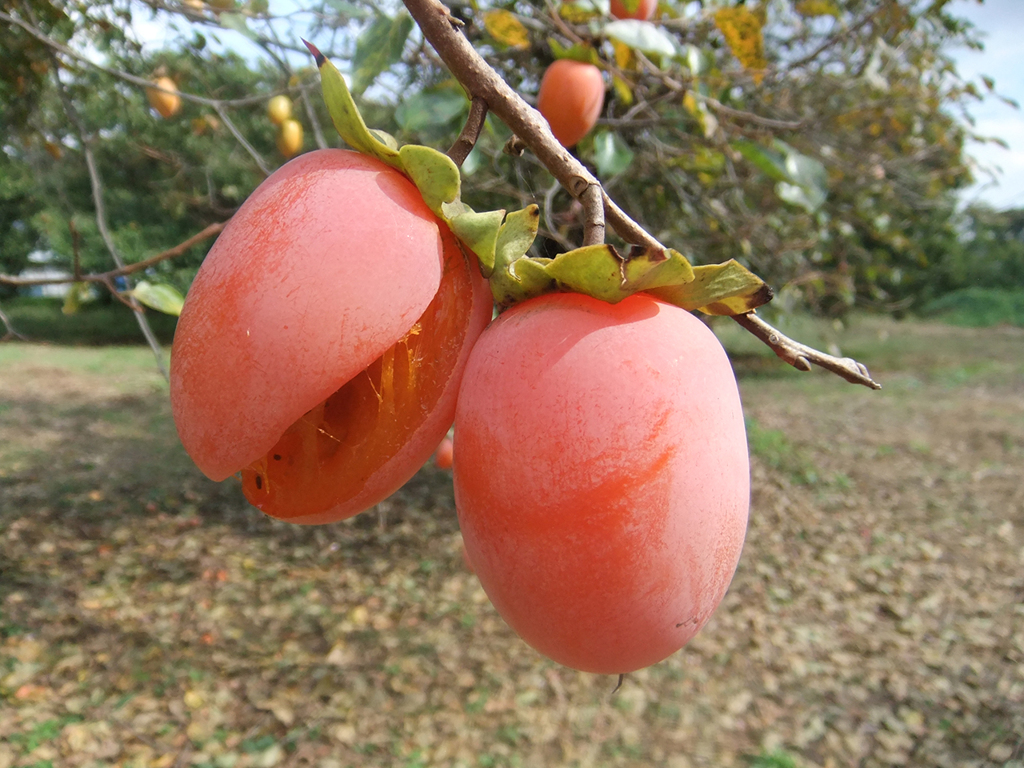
x,y
625,58
623,90
812,8
718,289
504,27
741,28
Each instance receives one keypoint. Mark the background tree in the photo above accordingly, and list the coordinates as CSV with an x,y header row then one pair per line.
x,y
813,140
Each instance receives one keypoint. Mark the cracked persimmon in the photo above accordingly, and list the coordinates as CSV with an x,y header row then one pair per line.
x,y
322,342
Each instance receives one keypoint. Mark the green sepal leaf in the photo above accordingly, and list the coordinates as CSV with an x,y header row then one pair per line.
x,y
346,117
577,52
158,296
436,176
516,236
600,271
479,232
513,278
718,289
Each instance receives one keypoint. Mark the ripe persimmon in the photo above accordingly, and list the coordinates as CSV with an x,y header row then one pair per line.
x,y
643,12
571,96
322,342
601,478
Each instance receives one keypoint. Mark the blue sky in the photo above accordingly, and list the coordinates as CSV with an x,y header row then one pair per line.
x,y
1002,22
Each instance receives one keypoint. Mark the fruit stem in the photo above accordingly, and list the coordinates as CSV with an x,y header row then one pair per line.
x,y
470,131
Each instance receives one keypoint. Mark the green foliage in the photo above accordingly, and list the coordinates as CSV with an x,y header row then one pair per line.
x,y
833,177
95,323
979,307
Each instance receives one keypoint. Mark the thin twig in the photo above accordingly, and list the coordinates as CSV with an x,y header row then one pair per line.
x,y
96,183
110,276
11,331
531,129
470,132
802,357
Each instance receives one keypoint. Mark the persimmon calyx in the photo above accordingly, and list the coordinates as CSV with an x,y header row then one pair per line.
x,y
602,272
501,240
435,175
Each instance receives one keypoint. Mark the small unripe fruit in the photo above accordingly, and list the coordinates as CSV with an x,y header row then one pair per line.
x,y
279,109
570,98
166,104
289,138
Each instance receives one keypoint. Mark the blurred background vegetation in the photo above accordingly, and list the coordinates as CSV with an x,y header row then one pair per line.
x,y
820,142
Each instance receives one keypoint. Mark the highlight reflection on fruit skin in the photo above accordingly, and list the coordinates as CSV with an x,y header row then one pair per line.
x,y
332,318
601,476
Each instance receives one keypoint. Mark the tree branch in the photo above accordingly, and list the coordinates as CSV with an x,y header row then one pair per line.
x,y
108,277
801,357
530,128
470,132
96,183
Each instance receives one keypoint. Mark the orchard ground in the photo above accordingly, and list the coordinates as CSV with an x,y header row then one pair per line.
x,y
149,618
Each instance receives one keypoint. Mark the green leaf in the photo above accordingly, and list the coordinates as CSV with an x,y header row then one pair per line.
x,y
158,296
611,154
718,289
641,35
600,271
236,22
378,47
345,115
77,293
771,163
578,52
581,11
436,176
479,232
514,278
431,109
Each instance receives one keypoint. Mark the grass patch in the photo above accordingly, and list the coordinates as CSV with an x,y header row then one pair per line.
x,y
775,449
979,307
96,323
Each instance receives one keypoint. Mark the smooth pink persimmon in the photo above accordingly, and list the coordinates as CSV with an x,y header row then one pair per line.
x,y
570,97
323,340
601,476
643,12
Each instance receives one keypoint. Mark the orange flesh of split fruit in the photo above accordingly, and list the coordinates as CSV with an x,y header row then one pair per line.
x,y
327,456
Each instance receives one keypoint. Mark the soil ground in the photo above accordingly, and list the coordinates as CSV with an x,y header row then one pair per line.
x,y
148,617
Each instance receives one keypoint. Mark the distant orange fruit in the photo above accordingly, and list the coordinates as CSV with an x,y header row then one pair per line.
x,y
444,454
289,138
643,11
279,109
570,98
166,104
